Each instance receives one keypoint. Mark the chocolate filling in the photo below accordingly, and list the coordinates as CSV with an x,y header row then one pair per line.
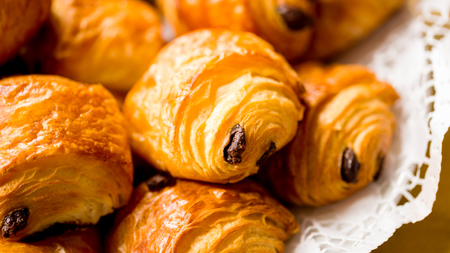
x,y
158,181
233,151
294,18
15,221
350,166
267,154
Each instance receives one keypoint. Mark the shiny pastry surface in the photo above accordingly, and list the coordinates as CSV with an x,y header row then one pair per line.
x,y
64,151
102,41
19,21
187,216
297,29
286,24
339,24
342,141
213,106
85,240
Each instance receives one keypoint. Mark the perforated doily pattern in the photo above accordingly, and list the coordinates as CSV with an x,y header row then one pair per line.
x,y
416,61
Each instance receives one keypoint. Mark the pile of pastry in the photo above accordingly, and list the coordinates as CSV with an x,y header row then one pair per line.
x,y
231,97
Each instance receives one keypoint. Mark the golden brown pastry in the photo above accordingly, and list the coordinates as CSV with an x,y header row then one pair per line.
x,y
111,42
340,24
64,151
168,215
213,106
286,24
19,20
296,28
342,141
85,240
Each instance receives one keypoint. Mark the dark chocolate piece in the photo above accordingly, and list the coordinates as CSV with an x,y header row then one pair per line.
x,y
350,166
15,221
267,154
158,181
233,151
294,18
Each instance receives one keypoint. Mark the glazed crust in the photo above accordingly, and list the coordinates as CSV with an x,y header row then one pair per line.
x,y
327,26
80,241
259,17
190,216
211,105
65,153
19,21
111,42
348,115
342,23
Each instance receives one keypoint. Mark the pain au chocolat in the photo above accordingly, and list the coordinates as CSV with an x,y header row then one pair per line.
x,y
287,25
339,24
298,29
341,144
64,154
213,106
111,42
175,215
19,21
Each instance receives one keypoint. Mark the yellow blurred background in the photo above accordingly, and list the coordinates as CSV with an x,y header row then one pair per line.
x,y
433,233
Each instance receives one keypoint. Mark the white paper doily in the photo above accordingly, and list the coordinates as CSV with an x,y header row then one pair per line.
x,y
415,59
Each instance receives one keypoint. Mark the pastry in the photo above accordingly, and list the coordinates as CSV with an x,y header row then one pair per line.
x,y
19,20
213,106
175,215
340,24
102,41
287,25
298,29
342,141
80,241
65,154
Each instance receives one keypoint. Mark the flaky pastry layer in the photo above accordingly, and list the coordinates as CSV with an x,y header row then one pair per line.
x,y
189,216
64,151
213,106
298,29
111,42
342,23
341,144
259,17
